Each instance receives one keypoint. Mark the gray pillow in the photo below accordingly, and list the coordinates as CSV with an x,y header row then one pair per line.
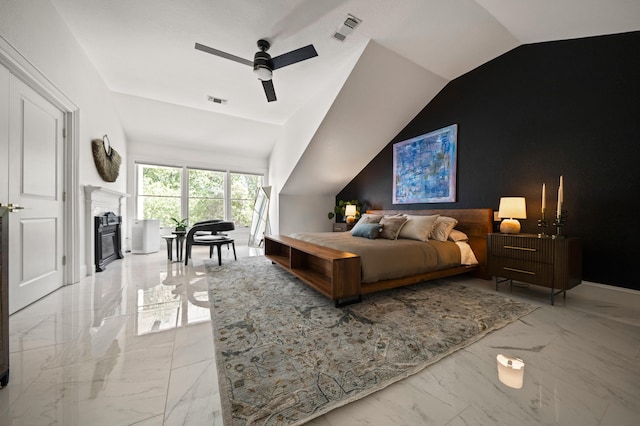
x,y
418,227
443,227
367,230
391,226
370,218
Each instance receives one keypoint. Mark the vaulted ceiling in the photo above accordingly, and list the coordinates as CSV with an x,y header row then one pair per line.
x,y
144,50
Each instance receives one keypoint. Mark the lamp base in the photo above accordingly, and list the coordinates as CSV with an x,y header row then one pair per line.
x,y
510,226
351,220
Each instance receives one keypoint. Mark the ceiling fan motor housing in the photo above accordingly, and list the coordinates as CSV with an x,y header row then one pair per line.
x,y
262,64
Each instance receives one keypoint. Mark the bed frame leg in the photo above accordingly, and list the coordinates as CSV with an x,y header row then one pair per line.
x,y
340,303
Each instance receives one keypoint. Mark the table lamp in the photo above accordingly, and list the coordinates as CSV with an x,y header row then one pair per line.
x,y
350,213
511,209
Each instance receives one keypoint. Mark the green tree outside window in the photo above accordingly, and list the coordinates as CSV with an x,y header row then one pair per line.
x,y
159,194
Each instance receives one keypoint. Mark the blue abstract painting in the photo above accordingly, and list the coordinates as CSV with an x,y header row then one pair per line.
x,y
424,168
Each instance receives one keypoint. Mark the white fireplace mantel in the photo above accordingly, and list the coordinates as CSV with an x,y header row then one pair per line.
x,y
99,191
97,201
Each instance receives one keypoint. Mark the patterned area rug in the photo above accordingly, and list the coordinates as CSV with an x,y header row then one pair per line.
x,y
286,355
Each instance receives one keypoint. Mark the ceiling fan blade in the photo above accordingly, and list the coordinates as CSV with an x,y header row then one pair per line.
x,y
222,54
294,56
269,90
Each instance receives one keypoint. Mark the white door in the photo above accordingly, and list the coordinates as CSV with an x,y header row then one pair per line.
x,y
35,182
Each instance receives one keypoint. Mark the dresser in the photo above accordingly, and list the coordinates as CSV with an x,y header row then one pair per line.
x,y
527,258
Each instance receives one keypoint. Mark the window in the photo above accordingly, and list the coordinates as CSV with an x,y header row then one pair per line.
x,y
159,193
243,194
208,194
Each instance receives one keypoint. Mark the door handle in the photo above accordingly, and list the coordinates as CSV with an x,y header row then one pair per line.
x,y
12,207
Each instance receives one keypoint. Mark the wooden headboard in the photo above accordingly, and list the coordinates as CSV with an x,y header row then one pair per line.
x,y
476,223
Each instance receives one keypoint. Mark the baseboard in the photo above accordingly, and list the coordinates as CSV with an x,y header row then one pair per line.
x,y
612,287
83,271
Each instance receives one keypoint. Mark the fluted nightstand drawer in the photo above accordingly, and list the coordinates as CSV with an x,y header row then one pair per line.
x,y
528,248
523,270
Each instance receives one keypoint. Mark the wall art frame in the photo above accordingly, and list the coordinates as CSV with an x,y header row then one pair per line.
x,y
425,167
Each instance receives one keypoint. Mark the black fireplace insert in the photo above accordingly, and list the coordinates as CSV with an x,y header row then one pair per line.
x,y
108,243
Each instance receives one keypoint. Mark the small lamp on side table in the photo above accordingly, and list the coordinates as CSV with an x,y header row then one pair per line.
x,y
350,213
511,209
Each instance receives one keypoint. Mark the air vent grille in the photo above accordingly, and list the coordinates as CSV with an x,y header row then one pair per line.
x,y
216,100
346,27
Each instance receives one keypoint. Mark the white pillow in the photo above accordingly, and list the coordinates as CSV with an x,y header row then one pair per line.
x,y
418,227
457,235
443,227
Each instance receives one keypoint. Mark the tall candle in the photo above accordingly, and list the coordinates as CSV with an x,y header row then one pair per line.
x,y
560,198
544,204
561,189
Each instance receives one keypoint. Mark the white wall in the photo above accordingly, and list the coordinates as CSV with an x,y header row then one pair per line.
x,y
302,212
383,93
180,156
35,30
296,135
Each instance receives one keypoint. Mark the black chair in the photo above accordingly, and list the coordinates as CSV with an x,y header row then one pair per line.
x,y
210,233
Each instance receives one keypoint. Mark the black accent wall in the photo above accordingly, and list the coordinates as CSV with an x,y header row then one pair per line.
x,y
542,110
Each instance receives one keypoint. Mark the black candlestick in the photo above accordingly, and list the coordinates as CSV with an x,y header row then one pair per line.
x,y
559,223
543,224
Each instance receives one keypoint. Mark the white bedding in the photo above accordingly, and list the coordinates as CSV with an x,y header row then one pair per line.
x,y
466,254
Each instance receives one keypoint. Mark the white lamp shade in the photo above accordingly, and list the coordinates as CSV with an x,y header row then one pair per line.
x,y
350,210
512,208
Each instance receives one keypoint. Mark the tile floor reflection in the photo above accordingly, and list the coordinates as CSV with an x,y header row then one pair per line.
x,y
133,345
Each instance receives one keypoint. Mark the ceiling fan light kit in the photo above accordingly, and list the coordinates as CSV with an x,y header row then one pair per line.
x,y
263,73
263,64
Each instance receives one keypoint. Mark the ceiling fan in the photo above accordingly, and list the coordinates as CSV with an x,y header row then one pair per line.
x,y
263,64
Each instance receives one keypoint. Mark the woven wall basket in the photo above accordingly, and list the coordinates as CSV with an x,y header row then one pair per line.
x,y
106,158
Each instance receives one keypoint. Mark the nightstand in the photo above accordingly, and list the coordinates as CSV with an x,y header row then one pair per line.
x,y
547,262
341,227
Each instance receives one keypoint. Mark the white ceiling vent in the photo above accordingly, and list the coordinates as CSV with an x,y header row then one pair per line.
x,y
347,27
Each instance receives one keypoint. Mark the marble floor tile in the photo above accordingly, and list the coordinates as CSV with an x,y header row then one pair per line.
x,y
193,397
116,388
133,345
193,343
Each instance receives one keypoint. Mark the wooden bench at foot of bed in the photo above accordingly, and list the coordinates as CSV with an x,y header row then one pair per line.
x,y
334,273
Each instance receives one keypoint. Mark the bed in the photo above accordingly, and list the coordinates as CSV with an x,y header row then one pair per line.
x,y
340,265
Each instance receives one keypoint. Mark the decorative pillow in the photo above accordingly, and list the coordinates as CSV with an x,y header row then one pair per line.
x,y
370,218
391,226
367,230
418,227
456,235
443,227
